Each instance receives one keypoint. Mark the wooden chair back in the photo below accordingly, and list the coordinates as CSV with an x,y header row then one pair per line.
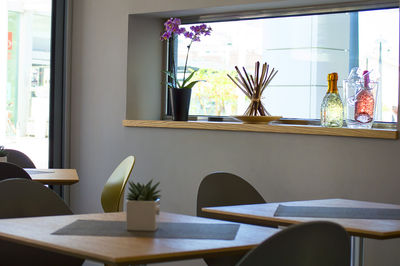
x,y
225,189
19,158
10,170
113,191
307,244
27,198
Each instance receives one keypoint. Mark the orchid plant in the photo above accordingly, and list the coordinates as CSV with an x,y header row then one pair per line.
x,y
173,27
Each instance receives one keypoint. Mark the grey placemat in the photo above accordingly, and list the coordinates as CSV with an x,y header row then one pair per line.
x,y
337,212
35,172
165,230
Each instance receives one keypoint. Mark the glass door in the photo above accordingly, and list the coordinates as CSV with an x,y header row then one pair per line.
x,y
25,28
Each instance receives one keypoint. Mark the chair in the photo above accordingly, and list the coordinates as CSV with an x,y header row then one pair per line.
x,y
307,244
27,198
19,158
10,170
113,192
225,189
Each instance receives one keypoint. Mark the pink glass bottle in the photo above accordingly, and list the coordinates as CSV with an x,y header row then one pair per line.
x,y
364,109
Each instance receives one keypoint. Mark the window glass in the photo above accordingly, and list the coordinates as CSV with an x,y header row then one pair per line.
x,y
304,49
24,106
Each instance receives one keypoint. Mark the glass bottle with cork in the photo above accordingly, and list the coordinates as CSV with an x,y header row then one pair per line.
x,y
332,105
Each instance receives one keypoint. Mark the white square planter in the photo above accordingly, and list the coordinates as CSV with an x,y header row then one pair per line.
x,y
141,215
3,159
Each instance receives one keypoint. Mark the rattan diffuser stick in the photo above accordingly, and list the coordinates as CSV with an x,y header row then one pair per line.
x,y
254,86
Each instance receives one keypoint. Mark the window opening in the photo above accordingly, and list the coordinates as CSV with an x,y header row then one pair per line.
x,y
304,49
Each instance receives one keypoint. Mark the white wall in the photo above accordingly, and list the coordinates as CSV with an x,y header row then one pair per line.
x,y
282,167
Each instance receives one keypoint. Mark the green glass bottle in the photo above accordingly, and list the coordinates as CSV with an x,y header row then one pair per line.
x,y
332,105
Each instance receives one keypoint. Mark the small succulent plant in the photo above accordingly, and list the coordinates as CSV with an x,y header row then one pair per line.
x,y
3,152
144,192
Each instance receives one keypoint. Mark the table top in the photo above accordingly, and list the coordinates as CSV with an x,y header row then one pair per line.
x,y
54,176
37,231
263,214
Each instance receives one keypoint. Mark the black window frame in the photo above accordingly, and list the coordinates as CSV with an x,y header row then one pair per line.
x,y
58,86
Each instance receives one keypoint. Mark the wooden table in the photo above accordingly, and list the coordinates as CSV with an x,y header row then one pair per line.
x,y
263,214
119,250
54,176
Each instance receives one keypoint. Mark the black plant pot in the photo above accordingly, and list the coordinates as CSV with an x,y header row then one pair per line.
x,y
180,102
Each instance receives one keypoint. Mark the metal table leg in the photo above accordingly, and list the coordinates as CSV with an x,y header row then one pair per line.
x,y
357,251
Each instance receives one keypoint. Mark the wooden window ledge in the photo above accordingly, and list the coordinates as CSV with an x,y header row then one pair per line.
x,y
275,128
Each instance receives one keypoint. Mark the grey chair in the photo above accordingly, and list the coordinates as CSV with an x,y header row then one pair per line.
x,y
27,198
307,244
225,189
19,158
10,170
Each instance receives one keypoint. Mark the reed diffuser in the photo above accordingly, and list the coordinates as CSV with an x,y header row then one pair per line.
x,y
254,86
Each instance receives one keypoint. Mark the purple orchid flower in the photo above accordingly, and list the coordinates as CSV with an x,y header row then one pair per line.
x,y
199,30
172,26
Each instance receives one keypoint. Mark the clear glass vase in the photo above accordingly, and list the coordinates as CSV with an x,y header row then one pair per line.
x,y
360,104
